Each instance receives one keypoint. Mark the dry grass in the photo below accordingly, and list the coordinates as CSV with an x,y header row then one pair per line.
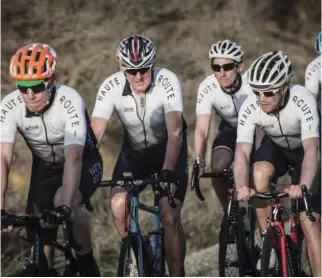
x,y
85,35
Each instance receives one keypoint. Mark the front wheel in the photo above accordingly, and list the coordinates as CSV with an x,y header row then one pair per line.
x,y
133,260
232,252
270,261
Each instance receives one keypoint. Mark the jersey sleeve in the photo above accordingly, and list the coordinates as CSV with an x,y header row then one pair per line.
x,y
75,119
105,104
308,113
247,121
312,81
173,92
8,125
204,105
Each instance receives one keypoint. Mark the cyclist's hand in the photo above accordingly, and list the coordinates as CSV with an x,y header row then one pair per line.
x,y
5,228
294,191
167,179
243,193
52,219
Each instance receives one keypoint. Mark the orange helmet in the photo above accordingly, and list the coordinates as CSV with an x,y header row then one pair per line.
x,y
32,64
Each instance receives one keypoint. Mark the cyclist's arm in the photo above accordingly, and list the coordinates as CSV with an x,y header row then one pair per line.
x,y
245,136
241,164
74,142
174,128
311,160
310,139
6,158
72,172
99,126
173,109
201,134
312,81
102,112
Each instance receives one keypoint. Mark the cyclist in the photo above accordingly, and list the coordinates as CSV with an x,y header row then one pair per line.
x,y
313,72
225,91
288,115
67,166
148,101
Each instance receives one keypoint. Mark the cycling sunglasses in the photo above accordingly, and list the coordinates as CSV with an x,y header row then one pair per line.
x,y
266,93
225,67
135,71
35,89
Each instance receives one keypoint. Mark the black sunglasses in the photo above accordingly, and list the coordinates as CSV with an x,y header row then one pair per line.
x,y
225,67
36,89
266,94
135,71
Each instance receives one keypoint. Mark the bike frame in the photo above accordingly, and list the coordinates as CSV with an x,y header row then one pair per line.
x,y
134,221
277,223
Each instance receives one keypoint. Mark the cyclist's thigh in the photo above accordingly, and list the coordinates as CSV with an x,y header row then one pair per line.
x,y
92,172
45,180
269,152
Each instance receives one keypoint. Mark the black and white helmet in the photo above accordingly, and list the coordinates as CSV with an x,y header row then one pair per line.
x,y
136,51
227,49
270,71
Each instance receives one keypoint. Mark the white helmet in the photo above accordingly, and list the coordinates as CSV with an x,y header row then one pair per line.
x,y
136,52
227,49
270,71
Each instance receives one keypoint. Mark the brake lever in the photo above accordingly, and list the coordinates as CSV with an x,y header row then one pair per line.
x,y
306,204
195,182
67,227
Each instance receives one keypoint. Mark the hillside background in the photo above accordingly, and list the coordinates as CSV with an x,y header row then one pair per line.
x,y
85,35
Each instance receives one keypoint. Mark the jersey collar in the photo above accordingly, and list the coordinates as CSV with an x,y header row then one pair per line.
x,y
30,114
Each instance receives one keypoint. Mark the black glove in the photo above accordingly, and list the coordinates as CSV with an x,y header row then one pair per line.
x,y
167,179
56,216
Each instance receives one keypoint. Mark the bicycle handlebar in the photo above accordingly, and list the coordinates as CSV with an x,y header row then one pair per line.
x,y
135,184
195,178
33,221
276,197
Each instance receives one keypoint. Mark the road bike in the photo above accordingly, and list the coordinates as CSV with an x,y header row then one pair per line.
x,y
37,265
237,252
142,255
291,258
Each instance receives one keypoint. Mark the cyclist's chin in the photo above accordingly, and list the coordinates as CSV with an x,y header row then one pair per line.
x,y
267,108
140,87
35,107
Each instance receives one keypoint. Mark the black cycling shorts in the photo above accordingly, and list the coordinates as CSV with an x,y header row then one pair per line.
x,y
282,159
47,178
142,164
226,138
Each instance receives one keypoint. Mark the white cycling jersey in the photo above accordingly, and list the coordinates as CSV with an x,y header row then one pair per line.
x,y
313,79
63,123
143,117
227,106
297,121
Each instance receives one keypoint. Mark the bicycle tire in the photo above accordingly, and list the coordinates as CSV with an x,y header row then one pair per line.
x,y
158,269
302,258
32,270
131,264
268,246
224,242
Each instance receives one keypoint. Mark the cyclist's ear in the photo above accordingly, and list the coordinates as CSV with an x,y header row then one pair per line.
x,y
240,67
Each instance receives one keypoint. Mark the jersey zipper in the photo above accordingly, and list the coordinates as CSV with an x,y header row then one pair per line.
x,y
279,123
52,146
141,120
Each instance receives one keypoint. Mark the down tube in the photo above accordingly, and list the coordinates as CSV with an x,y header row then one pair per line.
x,y
134,215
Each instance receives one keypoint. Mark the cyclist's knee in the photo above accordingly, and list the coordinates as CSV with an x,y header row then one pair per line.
x,y
221,159
263,172
119,206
